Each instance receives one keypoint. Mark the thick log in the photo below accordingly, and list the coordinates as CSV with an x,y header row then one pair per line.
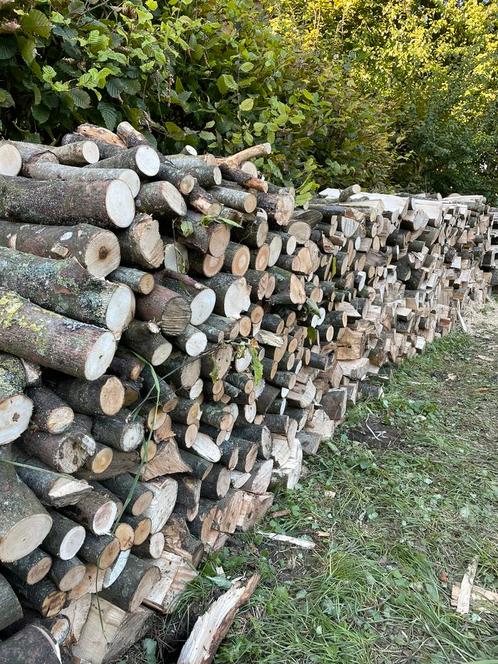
x,y
101,551
65,538
65,287
31,645
145,338
52,340
279,206
95,511
217,483
67,574
42,596
96,249
168,309
192,341
15,407
167,461
10,159
162,200
141,244
201,298
31,568
105,203
136,496
232,294
24,523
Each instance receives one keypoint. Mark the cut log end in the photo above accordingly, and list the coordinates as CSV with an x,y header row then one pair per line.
x,y
147,160
15,414
112,396
120,205
102,254
104,518
72,543
10,159
90,152
24,537
100,356
202,306
121,309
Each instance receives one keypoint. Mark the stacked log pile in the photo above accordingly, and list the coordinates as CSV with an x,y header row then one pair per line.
x,y
174,334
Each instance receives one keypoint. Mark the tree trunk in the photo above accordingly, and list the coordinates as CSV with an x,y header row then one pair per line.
x,y
96,249
108,204
52,340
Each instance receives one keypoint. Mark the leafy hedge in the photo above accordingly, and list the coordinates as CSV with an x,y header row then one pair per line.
x,y
383,92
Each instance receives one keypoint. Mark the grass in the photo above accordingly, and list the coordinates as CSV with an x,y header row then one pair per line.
x,y
397,518
399,503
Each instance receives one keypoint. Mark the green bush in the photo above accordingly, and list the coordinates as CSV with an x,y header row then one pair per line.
x,y
212,74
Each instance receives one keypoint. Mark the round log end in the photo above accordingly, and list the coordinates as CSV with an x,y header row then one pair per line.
x,y
211,265
90,152
15,413
142,531
102,460
72,543
219,239
120,204
142,503
10,159
196,344
125,535
202,306
156,545
161,353
112,396
250,203
121,309
24,537
100,356
109,554
102,254
104,517
39,571
132,179
217,176
147,160
60,419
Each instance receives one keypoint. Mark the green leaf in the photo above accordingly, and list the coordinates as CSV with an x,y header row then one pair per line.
x,y
247,104
6,99
225,83
109,114
256,364
151,4
27,49
220,581
186,227
80,98
36,23
246,66
40,113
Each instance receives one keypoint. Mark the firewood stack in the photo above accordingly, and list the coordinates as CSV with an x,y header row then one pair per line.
x,y
174,335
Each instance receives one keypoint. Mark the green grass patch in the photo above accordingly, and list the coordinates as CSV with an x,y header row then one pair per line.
x,y
397,516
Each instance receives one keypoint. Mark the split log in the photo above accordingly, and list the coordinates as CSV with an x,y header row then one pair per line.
x,y
96,249
42,596
211,628
179,540
49,339
105,203
164,490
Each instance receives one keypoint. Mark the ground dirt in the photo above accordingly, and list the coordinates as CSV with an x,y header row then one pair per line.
x,y
399,503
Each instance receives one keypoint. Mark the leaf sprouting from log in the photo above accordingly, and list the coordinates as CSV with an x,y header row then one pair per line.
x,y
186,227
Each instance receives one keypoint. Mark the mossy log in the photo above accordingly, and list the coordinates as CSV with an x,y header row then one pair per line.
x,y
52,340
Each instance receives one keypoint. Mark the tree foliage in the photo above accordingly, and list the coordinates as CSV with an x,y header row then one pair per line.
x,y
386,93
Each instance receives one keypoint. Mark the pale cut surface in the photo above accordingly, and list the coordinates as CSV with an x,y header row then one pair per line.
x,y
100,356
120,204
15,414
24,537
